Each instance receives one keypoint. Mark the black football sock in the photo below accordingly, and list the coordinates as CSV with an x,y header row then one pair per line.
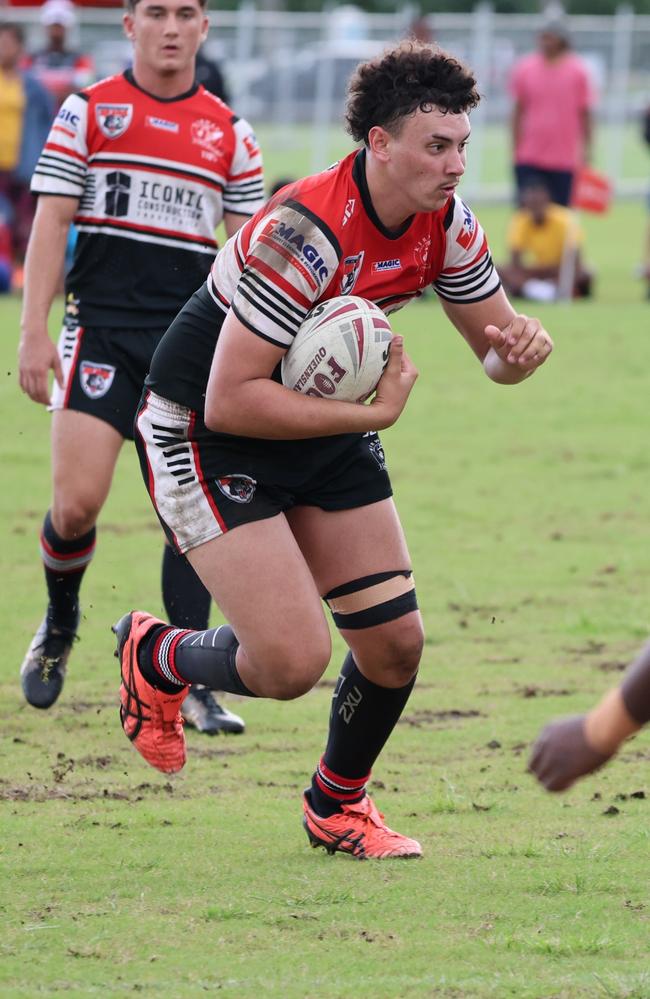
x,y
65,563
362,718
186,600
176,656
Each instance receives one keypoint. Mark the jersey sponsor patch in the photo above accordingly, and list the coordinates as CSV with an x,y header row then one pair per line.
x,y
96,379
113,119
352,268
469,230
240,488
68,117
292,246
162,124
381,266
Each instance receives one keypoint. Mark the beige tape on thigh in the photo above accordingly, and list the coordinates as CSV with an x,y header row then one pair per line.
x,y
361,600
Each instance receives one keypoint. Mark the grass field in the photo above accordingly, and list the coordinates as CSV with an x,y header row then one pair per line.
x,y
527,512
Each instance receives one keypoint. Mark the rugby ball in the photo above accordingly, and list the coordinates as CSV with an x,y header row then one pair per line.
x,y
340,350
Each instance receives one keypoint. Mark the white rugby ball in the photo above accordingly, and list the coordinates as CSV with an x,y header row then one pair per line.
x,y
340,350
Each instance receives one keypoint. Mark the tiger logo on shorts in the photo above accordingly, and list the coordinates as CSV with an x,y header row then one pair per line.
x,y
96,379
239,488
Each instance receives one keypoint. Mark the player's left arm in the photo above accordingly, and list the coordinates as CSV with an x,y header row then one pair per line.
x,y
510,345
233,221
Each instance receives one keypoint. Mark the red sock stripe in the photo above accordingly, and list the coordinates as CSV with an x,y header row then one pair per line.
x,y
337,795
344,782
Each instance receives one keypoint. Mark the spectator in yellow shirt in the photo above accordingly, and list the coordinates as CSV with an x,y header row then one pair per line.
x,y
544,241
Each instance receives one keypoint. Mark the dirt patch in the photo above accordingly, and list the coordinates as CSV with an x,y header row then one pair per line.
x,y
83,792
425,718
533,691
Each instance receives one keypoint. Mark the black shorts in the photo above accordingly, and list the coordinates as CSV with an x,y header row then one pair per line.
x,y
203,484
104,371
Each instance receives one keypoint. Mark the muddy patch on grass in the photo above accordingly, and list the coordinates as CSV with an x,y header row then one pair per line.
x,y
84,792
433,719
532,690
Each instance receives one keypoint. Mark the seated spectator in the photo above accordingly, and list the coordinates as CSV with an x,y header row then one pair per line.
x,y
544,242
60,69
26,114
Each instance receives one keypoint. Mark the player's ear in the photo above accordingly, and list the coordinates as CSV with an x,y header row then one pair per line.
x,y
127,25
379,142
204,31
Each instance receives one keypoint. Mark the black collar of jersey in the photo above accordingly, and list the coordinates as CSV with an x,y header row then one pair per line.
x,y
128,75
359,177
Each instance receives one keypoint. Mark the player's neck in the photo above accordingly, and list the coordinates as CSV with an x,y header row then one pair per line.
x,y
387,202
164,86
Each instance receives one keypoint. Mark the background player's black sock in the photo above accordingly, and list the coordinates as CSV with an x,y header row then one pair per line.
x,y
65,563
174,656
362,718
186,600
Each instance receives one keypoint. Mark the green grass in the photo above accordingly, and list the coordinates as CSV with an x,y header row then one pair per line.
x,y
527,515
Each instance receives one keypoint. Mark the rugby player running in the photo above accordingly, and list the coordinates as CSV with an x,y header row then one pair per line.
x,y
285,498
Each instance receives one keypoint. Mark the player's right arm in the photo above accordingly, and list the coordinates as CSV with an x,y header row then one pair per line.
x,y
59,181
37,354
242,398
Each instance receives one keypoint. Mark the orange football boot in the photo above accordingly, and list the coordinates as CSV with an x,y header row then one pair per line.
x,y
358,829
151,719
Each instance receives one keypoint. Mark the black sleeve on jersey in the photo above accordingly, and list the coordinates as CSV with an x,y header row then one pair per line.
x,y
318,222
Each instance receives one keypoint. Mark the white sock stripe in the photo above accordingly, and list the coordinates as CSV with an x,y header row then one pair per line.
x,y
163,656
339,787
65,564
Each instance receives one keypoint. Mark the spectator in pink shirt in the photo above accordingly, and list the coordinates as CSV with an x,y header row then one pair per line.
x,y
551,121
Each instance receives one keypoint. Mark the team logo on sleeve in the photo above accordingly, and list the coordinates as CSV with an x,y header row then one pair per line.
x,y
240,488
96,379
113,119
469,231
351,270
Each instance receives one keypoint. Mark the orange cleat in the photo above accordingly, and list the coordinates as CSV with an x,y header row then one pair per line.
x,y
150,718
358,829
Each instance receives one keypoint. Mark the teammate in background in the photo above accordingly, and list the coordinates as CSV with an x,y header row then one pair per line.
x,y
209,75
60,69
147,164
544,241
280,499
573,747
551,116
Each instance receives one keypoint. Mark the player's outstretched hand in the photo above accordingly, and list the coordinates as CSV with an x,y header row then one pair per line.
x,y
523,342
36,357
394,385
562,754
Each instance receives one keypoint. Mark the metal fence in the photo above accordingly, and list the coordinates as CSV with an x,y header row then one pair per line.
x,y
290,70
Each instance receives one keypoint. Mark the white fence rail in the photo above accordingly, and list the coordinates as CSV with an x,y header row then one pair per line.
x,y
288,69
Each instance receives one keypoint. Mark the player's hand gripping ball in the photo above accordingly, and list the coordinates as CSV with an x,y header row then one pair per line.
x,y
340,351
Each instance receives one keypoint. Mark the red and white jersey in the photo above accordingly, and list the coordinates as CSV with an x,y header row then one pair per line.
x,y
321,237
153,178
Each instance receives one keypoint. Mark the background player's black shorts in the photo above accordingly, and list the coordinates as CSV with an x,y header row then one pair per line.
x,y
104,371
203,484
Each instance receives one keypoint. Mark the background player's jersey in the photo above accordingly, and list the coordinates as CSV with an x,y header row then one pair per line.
x,y
153,178
316,239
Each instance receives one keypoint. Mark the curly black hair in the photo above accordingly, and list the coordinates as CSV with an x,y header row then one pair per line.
x,y
410,76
